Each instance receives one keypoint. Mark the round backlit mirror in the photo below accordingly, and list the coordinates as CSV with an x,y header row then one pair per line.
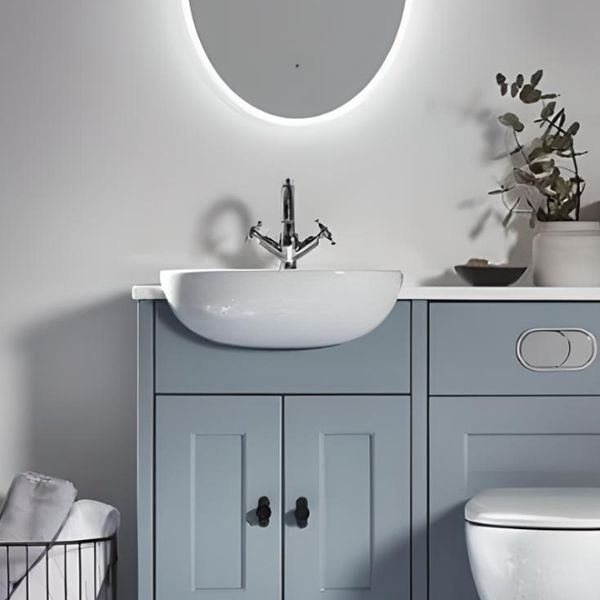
x,y
296,58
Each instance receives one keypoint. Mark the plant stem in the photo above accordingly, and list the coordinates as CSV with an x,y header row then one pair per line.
x,y
521,150
577,184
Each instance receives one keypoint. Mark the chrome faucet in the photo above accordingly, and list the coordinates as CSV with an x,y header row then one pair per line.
x,y
289,248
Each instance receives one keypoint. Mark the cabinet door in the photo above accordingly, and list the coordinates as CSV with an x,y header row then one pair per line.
x,y
480,443
350,458
215,457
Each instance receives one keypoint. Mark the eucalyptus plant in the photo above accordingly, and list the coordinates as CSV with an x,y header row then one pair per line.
x,y
549,166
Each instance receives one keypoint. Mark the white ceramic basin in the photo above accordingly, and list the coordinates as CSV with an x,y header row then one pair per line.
x,y
281,309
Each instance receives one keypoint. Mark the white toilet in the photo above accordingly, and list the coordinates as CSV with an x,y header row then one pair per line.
x,y
535,543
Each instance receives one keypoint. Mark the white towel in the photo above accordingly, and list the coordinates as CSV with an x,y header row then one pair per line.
x,y
35,509
88,519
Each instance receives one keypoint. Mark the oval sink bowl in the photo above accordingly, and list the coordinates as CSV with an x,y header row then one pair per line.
x,y
281,309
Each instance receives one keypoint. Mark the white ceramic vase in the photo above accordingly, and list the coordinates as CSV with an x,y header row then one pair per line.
x,y
567,254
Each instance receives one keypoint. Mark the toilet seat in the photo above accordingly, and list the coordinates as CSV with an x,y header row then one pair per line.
x,y
535,543
536,508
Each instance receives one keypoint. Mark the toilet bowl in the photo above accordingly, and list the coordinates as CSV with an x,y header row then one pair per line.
x,y
535,543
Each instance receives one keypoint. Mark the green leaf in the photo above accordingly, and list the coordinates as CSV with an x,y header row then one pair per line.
x,y
548,110
500,79
531,214
547,143
541,215
511,120
554,176
544,183
523,177
537,153
562,189
510,213
542,166
529,95
562,142
536,77
567,207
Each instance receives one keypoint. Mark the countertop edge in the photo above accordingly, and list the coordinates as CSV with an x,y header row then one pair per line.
x,y
581,294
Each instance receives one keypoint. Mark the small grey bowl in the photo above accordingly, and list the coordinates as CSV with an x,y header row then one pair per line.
x,y
490,275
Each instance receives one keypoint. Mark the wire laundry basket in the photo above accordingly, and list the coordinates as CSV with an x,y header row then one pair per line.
x,y
60,570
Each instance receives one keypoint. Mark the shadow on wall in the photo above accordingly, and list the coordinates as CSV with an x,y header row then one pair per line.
x,y
489,211
81,370
497,150
519,255
591,212
222,234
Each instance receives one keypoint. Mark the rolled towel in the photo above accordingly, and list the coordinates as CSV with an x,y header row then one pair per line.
x,y
35,509
89,519
78,570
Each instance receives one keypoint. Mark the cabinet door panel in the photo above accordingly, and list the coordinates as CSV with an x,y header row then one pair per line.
x,y
480,443
215,457
350,457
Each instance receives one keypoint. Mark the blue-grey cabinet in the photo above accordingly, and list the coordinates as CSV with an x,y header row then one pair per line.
x,y
222,430
484,442
378,443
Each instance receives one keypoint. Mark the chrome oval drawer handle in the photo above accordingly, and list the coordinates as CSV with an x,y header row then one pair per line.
x,y
557,349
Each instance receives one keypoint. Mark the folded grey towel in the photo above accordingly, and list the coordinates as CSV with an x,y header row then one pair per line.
x,y
35,510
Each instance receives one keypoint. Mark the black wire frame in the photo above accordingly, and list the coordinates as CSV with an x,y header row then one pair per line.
x,y
35,553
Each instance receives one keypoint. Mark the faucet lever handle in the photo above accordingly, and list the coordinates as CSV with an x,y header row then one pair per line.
x,y
254,229
324,232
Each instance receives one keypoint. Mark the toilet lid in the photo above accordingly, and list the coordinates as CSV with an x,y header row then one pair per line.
x,y
536,508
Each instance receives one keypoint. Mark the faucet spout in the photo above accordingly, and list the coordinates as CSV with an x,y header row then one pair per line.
x,y
289,217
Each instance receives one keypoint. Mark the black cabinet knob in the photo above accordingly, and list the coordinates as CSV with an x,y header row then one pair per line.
x,y
302,513
263,511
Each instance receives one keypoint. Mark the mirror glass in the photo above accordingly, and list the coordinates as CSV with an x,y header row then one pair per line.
x,y
296,58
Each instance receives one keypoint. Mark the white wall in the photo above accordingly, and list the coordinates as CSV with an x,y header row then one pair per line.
x,y
114,150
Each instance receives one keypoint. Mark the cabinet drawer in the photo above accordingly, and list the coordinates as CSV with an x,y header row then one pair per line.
x,y
514,348
376,363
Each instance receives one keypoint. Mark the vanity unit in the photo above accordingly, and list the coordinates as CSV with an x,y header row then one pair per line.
x,y
342,472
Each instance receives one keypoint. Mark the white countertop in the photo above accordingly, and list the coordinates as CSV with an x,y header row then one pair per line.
x,y
154,292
